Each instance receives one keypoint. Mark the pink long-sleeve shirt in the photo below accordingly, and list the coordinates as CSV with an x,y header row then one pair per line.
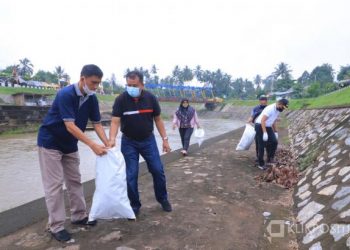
x,y
194,120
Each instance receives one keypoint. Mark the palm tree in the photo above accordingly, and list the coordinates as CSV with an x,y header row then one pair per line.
x,y
257,81
25,67
66,77
154,69
59,72
283,71
198,72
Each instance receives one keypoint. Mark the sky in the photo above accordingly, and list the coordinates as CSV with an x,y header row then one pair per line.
x,y
241,37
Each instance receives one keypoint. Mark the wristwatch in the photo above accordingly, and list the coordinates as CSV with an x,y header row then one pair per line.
x,y
165,138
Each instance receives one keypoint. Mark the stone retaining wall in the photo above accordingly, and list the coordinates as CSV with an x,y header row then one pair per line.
x,y
12,117
320,140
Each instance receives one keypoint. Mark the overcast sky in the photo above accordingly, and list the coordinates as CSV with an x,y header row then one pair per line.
x,y
242,37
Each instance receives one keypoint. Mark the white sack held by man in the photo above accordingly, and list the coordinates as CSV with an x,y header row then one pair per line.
x,y
247,138
110,199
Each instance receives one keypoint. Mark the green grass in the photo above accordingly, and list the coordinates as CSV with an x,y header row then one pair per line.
x,y
11,91
33,128
242,102
335,99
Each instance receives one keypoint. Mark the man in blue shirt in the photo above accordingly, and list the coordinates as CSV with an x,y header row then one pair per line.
x,y
254,114
58,137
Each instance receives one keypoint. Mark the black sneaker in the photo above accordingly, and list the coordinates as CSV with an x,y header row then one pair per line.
x,y
166,206
62,235
85,222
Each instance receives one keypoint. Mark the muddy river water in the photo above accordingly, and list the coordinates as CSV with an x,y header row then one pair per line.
x,y
20,179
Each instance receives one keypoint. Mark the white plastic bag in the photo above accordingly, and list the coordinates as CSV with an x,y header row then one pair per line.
x,y
199,134
247,138
110,199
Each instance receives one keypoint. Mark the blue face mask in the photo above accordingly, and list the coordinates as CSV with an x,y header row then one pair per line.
x,y
133,91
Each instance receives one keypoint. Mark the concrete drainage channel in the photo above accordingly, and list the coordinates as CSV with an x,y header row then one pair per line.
x,y
320,140
14,219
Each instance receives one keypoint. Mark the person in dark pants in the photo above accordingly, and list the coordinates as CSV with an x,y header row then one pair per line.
x,y
185,118
266,131
255,113
134,111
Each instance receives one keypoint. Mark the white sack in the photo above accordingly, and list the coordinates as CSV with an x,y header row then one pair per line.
x,y
110,199
247,138
199,134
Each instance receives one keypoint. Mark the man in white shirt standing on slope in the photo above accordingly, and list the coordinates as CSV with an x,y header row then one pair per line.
x,y
266,131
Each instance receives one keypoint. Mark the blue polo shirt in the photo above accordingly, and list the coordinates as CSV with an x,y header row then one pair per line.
x,y
257,111
69,105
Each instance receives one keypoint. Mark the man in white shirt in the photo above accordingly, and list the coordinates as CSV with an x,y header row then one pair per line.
x,y
266,131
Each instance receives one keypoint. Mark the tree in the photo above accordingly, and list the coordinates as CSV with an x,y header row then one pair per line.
x,y
198,72
258,81
238,86
249,89
8,71
186,74
176,74
283,84
330,87
45,76
322,74
298,89
314,89
154,77
154,69
25,67
59,72
344,73
282,71
66,78
304,79
283,77
268,83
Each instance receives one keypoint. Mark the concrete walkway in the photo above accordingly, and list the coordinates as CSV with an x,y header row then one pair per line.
x,y
217,205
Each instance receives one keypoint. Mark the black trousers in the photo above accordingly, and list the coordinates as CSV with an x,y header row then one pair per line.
x,y
270,144
185,134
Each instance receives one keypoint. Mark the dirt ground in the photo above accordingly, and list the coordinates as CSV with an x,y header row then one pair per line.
x,y
217,204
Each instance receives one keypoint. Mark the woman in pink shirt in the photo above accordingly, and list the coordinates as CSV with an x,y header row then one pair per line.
x,y
185,118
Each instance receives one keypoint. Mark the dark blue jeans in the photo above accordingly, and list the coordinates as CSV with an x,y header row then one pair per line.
x,y
185,134
131,150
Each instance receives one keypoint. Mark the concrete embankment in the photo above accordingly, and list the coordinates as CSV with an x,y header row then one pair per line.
x,y
320,140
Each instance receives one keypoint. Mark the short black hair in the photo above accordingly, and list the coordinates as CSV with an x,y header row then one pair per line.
x,y
133,74
91,70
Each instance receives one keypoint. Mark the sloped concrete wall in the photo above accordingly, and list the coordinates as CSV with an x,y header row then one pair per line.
x,y
320,140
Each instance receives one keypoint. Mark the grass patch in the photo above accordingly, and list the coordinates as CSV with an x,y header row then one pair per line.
x,y
242,102
339,98
335,99
33,128
11,91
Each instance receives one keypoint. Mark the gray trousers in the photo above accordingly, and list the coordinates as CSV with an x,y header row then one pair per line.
x,y
58,168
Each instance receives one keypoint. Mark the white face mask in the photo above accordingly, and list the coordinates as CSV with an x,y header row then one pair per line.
x,y
87,90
